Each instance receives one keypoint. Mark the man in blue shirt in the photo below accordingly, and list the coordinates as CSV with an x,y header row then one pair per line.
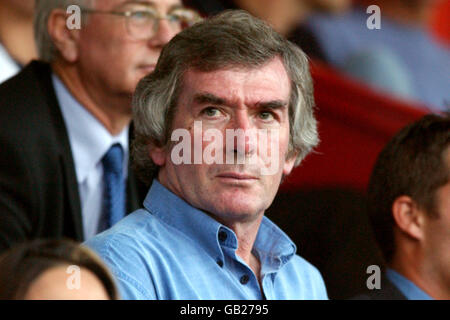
x,y
227,113
400,57
409,208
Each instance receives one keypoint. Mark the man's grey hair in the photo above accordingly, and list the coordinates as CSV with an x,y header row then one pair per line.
x,y
233,38
43,9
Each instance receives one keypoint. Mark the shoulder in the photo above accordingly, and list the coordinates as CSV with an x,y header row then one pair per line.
x,y
132,250
25,101
127,236
308,271
388,291
338,35
306,277
335,23
29,83
32,128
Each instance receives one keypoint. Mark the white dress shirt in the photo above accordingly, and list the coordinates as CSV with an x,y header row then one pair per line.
x,y
89,141
8,67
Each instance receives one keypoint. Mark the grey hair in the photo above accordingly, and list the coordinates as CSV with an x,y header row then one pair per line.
x,y
233,38
43,9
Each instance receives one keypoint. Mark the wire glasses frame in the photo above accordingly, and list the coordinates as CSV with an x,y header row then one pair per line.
x,y
144,24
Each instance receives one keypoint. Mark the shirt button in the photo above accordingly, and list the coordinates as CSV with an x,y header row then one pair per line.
x,y
220,263
222,236
244,279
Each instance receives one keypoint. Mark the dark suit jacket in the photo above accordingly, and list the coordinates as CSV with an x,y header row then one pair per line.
x,y
38,188
388,291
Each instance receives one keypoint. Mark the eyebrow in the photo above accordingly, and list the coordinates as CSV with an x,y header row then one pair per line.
x,y
275,104
176,6
149,4
137,2
205,98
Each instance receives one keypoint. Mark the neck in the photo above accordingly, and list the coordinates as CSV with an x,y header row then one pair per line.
x,y
414,268
283,16
16,34
113,112
246,233
415,13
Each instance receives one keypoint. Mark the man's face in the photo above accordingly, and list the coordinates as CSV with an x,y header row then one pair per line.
x,y
109,58
249,100
437,236
331,5
24,7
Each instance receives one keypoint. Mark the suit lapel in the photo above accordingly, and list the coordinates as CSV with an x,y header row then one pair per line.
x,y
66,159
73,224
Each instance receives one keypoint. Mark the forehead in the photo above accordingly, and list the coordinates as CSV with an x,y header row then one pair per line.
x,y
240,84
162,5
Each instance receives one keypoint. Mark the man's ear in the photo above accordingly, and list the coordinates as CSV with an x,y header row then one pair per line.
x,y
408,217
289,163
158,155
65,40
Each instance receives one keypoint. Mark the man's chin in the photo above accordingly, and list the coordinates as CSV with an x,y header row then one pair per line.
x,y
238,213
146,69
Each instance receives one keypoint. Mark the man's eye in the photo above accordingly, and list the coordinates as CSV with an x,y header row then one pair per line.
x,y
211,112
143,15
185,18
266,115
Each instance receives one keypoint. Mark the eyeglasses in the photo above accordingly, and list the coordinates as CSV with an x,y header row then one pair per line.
x,y
143,23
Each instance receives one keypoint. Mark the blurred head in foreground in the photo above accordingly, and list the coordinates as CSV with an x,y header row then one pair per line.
x,y
54,270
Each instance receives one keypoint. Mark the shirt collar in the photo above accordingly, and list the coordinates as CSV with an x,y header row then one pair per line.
x,y
273,246
9,67
89,139
407,287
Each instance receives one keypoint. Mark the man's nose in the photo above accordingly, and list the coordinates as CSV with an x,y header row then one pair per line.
x,y
163,35
244,134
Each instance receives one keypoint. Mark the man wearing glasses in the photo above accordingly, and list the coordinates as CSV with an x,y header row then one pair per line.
x,y
65,120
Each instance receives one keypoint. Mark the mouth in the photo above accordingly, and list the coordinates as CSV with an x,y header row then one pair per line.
x,y
237,177
147,68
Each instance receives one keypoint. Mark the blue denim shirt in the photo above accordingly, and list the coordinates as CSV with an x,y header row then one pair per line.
x,y
407,287
171,250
